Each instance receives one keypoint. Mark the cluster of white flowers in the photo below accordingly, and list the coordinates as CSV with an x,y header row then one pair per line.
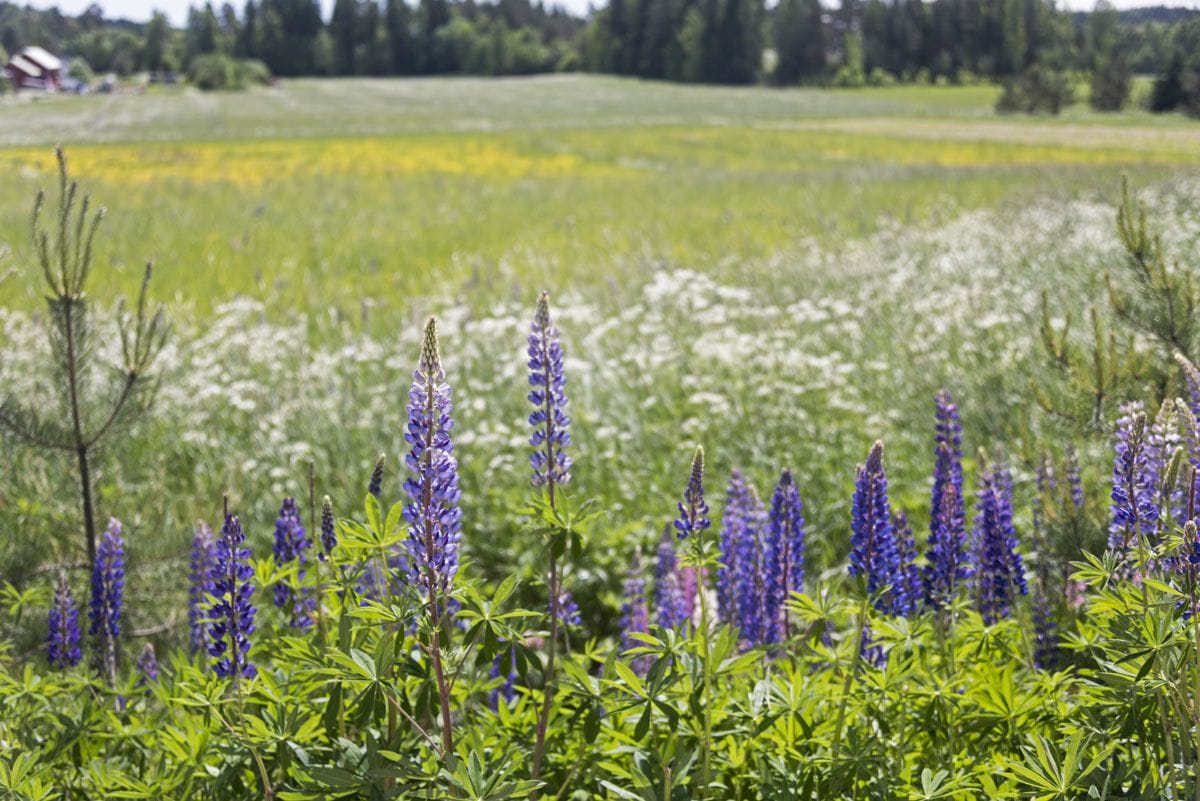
x,y
840,346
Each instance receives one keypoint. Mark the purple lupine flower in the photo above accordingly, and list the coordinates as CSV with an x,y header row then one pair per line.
x,y
783,556
292,545
873,550
1074,478
507,691
108,590
203,557
147,666
551,433
433,515
1000,570
635,617
568,610
693,511
947,454
62,646
733,521
949,559
870,651
108,583
328,532
375,485
1134,512
231,616
908,577
749,584
669,607
1045,635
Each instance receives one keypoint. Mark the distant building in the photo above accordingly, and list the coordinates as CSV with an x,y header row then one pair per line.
x,y
34,68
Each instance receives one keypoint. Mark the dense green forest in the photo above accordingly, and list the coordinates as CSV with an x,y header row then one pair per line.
x,y
1028,43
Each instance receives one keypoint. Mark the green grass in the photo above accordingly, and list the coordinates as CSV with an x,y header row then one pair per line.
x,y
305,194
784,275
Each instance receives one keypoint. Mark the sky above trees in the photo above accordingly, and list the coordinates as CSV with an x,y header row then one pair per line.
x,y
176,10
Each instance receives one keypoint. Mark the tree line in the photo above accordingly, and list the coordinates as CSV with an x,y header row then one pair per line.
x,y
1030,45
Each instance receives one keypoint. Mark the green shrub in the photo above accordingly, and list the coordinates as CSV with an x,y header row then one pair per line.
x,y
219,72
1038,91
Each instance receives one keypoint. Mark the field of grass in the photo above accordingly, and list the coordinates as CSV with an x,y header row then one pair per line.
x,y
759,269
783,277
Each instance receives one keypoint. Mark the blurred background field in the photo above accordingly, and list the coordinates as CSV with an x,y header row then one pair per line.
x,y
783,275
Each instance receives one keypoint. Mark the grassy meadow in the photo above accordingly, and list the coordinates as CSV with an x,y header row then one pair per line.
x,y
783,275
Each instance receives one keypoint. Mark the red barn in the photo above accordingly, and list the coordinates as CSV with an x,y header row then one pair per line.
x,y
34,68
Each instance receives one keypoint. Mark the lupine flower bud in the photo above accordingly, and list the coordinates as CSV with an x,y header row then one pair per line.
x,y
328,532
693,511
292,545
62,648
783,556
375,487
231,616
433,515
203,558
551,434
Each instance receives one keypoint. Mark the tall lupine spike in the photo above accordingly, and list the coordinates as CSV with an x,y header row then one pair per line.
x,y
873,550
1001,571
147,666
693,511
62,645
748,580
375,485
908,577
551,425
433,515
1045,634
949,560
108,590
231,616
948,455
292,545
1074,478
203,557
783,556
733,521
635,617
1134,512
669,608
108,583
328,531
